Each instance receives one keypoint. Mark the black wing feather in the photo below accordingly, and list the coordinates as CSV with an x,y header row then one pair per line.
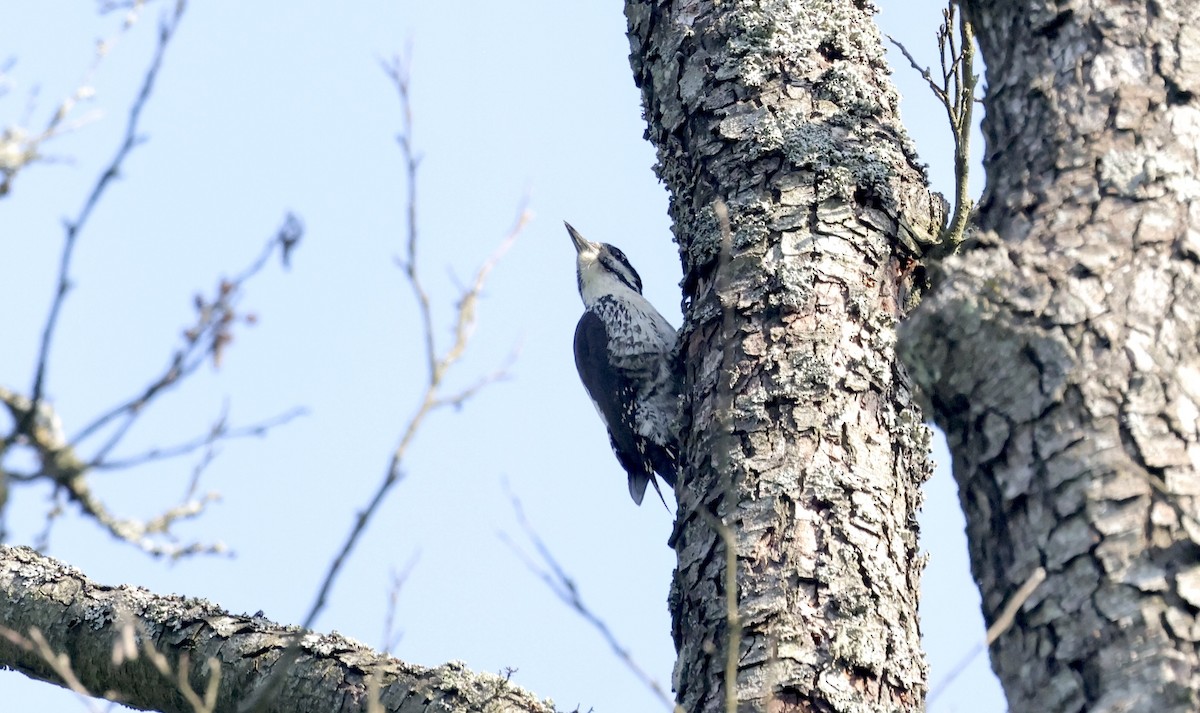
x,y
614,394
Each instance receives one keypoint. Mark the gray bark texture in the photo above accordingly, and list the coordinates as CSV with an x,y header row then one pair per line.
x,y
800,433
1059,352
85,621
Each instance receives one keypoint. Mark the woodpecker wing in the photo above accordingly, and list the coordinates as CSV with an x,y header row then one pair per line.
x,y
615,395
639,347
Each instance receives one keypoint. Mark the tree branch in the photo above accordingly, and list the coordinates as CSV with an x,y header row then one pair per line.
x,y
1003,622
195,637
464,325
956,93
563,586
129,142
220,431
37,425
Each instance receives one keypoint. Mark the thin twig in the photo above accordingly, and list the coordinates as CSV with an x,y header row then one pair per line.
x,y
397,70
125,649
131,139
220,431
5,82
41,541
60,663
204,340
1014,604
729,495
563,586
500,374
956,93
21,147
999,626
464,324
430,401
391,634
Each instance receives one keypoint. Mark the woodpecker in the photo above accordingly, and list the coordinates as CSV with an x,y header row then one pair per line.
x,y
623,354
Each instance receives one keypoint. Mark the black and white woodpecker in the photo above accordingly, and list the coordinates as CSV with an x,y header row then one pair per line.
x,y
623,354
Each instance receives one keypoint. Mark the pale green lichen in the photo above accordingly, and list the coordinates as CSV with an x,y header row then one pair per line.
x,y
841,161
849,91
773,33
705,231
794,281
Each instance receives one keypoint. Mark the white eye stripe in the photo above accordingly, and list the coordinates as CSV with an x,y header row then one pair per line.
x,y
623,271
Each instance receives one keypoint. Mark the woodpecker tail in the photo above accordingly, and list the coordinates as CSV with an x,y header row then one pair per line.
x,y
637,486
663,460
654,482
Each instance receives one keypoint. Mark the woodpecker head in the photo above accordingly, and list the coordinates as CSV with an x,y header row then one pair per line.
x,y
601,269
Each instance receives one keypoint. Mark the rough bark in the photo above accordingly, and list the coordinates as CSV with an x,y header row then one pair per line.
x,y
800,433
1060,352
84,620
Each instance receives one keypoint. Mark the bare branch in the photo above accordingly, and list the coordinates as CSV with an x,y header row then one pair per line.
x,y
19,146
152,536
500,374
61,464
999,626
956,93
430,401
206,339
125,650
1014,604
178,677
55,598
60,663
73,228
464,324
220,431
558,581
36,423
961,68
391,634
729,325
938,91
397,70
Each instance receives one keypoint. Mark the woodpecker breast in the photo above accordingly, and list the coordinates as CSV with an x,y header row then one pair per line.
x,y
623,352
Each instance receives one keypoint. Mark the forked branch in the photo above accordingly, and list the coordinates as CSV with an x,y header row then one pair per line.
x,y
955,90
439,361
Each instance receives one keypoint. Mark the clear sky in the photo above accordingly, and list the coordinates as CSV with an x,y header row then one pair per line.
x,y
263,108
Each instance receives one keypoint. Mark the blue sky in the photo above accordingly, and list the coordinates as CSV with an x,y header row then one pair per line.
x,y
263,108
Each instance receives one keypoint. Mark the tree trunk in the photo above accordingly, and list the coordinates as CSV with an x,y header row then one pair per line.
x,y
801,436
327,673
1060,352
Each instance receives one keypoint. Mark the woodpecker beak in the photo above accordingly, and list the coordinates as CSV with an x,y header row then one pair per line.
x,y
582,244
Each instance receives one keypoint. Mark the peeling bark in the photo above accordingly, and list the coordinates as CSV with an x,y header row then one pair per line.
x,y
82,619
802,436
1060,352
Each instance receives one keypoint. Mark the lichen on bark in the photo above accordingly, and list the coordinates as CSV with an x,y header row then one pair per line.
x,y
329,672
1059,351
802,436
